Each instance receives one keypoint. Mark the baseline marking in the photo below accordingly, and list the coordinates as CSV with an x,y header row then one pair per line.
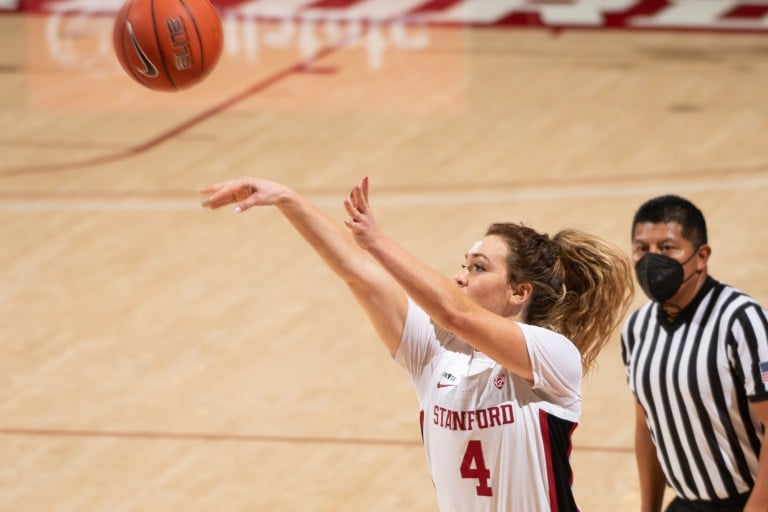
x,y
252,438
62,204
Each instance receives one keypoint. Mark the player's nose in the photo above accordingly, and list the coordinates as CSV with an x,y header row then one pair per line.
x,y
461,277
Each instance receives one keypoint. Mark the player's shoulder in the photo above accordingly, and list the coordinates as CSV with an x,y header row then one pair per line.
x,y
538,334
541,332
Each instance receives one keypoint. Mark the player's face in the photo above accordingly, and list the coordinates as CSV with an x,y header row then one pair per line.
x,y
483,277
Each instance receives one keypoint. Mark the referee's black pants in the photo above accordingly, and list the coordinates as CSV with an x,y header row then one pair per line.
x,y
735,504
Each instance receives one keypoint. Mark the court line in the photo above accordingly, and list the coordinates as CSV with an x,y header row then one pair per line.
x,y
207,437
243,438
42,203
302,67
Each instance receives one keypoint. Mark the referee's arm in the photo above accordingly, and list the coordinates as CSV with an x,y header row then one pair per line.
x,y
758,500
652,480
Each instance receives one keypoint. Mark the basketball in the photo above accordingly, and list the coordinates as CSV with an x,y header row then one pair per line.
x,y
167,45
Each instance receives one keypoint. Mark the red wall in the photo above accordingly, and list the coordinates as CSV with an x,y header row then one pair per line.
x,y
725,15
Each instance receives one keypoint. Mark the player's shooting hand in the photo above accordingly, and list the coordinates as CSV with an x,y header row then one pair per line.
x,y
361,221
243,192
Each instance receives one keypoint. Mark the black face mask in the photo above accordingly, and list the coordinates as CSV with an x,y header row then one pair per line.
x,y
660,276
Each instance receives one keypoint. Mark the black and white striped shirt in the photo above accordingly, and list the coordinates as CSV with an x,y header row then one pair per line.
x,y
694,377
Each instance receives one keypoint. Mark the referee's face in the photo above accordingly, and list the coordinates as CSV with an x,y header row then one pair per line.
x,y
662,238
667,239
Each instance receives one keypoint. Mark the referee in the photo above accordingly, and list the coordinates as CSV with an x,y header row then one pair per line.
x,y
696,358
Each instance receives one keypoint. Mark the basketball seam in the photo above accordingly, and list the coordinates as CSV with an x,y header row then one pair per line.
x,y
159,47
201,68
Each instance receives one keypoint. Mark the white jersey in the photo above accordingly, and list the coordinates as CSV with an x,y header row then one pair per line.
x,y
493,441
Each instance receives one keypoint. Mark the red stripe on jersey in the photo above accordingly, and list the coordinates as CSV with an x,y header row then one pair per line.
x,y
570,447
544,425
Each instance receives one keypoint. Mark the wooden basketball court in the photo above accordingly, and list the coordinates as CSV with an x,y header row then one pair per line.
x,y
158,357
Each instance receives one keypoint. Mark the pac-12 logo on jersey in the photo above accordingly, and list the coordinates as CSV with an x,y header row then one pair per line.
x,y
499,380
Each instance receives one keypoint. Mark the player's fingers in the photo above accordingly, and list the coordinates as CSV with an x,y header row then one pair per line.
x,y
210,191
350,209
352,200
218,199
249,200
210,202
359,200
365,188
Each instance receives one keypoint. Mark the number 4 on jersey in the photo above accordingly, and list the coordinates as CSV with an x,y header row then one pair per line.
x,y
473,456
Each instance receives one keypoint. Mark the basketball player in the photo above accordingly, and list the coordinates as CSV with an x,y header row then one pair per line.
x,y
697,361
495,355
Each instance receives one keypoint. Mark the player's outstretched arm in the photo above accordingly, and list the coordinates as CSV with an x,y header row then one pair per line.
x,y
381,297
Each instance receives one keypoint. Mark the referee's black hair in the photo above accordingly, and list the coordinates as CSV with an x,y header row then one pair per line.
x,y
672,208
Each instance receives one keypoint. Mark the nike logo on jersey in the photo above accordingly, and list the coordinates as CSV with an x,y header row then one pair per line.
x,y
147,68
445,376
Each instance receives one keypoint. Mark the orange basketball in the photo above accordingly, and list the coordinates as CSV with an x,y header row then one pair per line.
x,y
168,45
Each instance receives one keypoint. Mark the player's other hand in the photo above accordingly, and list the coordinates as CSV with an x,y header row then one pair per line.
x,y
243,192
361,222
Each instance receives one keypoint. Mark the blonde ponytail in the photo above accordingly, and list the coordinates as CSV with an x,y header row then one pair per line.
x,y
583,286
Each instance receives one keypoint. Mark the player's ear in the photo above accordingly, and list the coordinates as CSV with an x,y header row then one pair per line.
x,y
519,293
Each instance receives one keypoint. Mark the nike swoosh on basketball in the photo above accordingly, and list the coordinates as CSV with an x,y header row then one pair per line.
x,y
149,70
